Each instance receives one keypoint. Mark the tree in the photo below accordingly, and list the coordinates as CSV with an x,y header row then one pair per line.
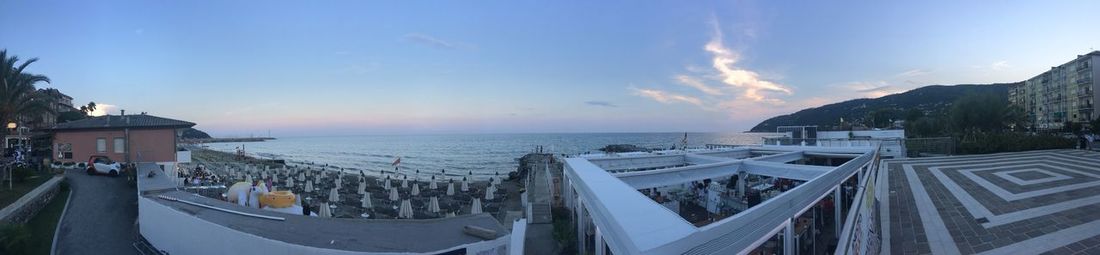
x,y
881,117
18,98
979,113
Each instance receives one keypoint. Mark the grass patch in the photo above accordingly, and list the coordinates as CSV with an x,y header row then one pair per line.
x,y
20,188
43,225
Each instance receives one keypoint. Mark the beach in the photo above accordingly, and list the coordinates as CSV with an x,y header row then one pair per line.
x,y
322,179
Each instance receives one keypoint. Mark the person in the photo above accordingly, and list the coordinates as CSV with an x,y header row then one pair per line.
x,y
1089,139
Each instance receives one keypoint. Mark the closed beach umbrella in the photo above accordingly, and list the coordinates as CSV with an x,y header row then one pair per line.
x,y
263,175
334,195
432,185
489,193
274,178
433,205
405,183
362,187
309,187
475,207
465,185
290,181
339,181
387,185
366,201
451,189
325,212
416,189
406,210
302,175
393,195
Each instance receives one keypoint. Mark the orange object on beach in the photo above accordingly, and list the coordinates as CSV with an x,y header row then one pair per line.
x,y
278,199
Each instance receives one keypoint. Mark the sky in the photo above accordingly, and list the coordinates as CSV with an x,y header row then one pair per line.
x,y
304,68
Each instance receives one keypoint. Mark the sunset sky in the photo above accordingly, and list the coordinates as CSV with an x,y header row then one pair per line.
x,y
326,68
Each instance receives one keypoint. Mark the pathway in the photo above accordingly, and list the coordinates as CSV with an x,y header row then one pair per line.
x,y
100,218
1022,203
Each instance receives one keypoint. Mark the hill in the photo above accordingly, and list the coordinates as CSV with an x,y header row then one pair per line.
x,y
192,133
929,100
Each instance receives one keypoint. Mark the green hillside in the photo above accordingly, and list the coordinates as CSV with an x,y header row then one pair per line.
x,y
929,100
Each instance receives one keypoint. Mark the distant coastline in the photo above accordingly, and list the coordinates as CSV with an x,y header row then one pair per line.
x,y
227,140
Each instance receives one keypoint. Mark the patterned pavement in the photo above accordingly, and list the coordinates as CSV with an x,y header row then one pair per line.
x,y
1009,203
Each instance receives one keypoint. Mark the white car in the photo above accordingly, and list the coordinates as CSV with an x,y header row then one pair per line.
x,y
103,165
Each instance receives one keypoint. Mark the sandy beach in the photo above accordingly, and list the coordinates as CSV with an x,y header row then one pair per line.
x,y
323,179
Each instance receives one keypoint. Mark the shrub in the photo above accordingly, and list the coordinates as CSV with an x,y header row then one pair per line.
x,y
983,143
13,238
21,174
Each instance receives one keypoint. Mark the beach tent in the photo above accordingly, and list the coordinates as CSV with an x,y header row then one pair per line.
x,y
475,207
325,211
406,210
366,203
433,205
334,195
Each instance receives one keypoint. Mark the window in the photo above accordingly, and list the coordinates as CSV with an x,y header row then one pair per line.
x,y
64,151
101,144
120,145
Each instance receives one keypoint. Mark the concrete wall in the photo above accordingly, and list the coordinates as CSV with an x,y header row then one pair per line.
x,y
180,233
146,145
27,206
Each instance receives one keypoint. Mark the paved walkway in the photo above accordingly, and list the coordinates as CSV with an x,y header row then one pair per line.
x,y
1010,203
100,218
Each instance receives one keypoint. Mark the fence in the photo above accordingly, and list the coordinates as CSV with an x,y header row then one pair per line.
x,y
932,146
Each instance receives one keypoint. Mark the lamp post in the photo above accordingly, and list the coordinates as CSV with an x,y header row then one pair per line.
x,y
11,178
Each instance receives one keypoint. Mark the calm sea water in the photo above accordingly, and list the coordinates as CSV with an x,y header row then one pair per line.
x,y
483,154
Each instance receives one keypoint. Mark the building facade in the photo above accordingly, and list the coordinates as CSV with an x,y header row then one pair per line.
x,y
1065,93
58,103
126,138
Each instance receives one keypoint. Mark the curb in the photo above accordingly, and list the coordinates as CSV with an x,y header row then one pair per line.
x,y
57,230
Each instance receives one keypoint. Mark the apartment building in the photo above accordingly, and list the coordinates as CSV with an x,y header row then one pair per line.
x,y
1065,93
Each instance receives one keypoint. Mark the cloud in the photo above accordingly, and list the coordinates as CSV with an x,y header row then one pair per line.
x,y
999,65
600,103
103,109
433,42
913,73
872,89
666,97
753,87
698,84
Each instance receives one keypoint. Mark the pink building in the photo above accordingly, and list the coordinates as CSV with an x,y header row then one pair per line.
x,y
124,138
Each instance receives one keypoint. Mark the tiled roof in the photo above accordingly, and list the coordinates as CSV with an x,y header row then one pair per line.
x,y
123,121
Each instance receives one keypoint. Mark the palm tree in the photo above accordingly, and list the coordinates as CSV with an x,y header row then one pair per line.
x,y
19,100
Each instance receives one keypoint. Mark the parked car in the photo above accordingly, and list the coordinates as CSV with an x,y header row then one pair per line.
x,y
103,165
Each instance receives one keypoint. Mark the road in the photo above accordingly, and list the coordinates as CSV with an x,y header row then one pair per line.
x,y
100,218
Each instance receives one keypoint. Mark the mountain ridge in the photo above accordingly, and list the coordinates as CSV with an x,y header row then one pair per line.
x,y
931,99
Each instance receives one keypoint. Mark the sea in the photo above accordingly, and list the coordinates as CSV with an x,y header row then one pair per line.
x,y
479,156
